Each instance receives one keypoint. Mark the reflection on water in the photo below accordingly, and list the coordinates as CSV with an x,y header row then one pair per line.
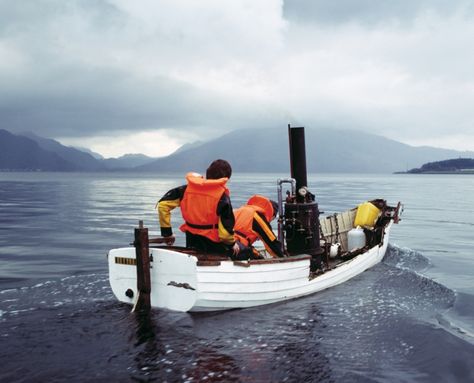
x,y
225,347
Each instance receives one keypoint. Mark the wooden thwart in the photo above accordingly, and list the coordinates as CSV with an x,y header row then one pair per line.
x,y
160,240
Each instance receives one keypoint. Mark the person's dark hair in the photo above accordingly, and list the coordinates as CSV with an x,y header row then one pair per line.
x,y
218,169
275,208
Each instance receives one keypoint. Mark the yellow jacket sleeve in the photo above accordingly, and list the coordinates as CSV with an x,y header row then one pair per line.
x,y
164,215
224,235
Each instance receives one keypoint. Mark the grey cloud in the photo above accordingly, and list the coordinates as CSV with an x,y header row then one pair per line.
x,y
59,93
88,68
26,16
368,11
80,104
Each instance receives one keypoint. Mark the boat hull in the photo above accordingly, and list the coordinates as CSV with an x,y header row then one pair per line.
x,y
179,282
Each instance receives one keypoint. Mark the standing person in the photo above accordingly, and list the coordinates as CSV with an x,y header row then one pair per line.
x,y
252,222
206,210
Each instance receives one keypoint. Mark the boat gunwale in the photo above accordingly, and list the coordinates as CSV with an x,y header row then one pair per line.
x,y
216,259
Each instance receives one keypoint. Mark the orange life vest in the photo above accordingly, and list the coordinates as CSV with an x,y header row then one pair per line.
x,y
199,205
244,218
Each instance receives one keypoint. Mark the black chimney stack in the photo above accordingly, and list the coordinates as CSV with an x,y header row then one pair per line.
x,y
298,159
301,211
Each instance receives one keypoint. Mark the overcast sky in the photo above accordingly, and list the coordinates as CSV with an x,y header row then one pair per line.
x,y
121,76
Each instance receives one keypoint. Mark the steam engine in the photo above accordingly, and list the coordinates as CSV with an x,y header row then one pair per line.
x,y
299,223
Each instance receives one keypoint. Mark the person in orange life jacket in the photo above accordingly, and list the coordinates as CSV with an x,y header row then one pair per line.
x,y
206,209
252,222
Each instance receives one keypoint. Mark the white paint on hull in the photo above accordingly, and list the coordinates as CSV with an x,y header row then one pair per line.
x,y
179,284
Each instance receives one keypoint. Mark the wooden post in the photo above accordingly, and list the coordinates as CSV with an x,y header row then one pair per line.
x,y
143,268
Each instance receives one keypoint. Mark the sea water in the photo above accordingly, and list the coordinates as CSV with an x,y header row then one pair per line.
x,y
410,318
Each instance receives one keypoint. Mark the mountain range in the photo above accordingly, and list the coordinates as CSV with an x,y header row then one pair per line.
x,y
23,153
30,152
248,150
327,150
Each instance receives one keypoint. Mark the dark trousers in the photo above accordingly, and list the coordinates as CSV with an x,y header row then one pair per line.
x,y
205,245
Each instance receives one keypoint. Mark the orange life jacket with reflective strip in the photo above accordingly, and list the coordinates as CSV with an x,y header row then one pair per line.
x,y
199,205
243,224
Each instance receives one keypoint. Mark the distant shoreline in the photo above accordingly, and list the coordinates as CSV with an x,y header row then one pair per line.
x,y
467,172
452,166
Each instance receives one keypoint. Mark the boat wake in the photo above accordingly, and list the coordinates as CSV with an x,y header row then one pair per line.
x,y
450,325
68,291
435,300
416,292
406,258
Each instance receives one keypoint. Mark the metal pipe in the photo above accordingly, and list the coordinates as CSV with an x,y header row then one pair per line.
x,y
280,182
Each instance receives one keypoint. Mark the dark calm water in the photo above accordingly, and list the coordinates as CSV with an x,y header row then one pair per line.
x,y
409,319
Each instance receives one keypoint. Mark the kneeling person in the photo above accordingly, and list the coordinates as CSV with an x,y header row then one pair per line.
x,y
252,222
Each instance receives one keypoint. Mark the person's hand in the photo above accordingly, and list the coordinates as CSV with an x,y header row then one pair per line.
x,y
169,240
236,248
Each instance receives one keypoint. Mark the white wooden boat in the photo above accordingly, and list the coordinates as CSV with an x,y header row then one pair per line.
x,y
184,280
322,253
